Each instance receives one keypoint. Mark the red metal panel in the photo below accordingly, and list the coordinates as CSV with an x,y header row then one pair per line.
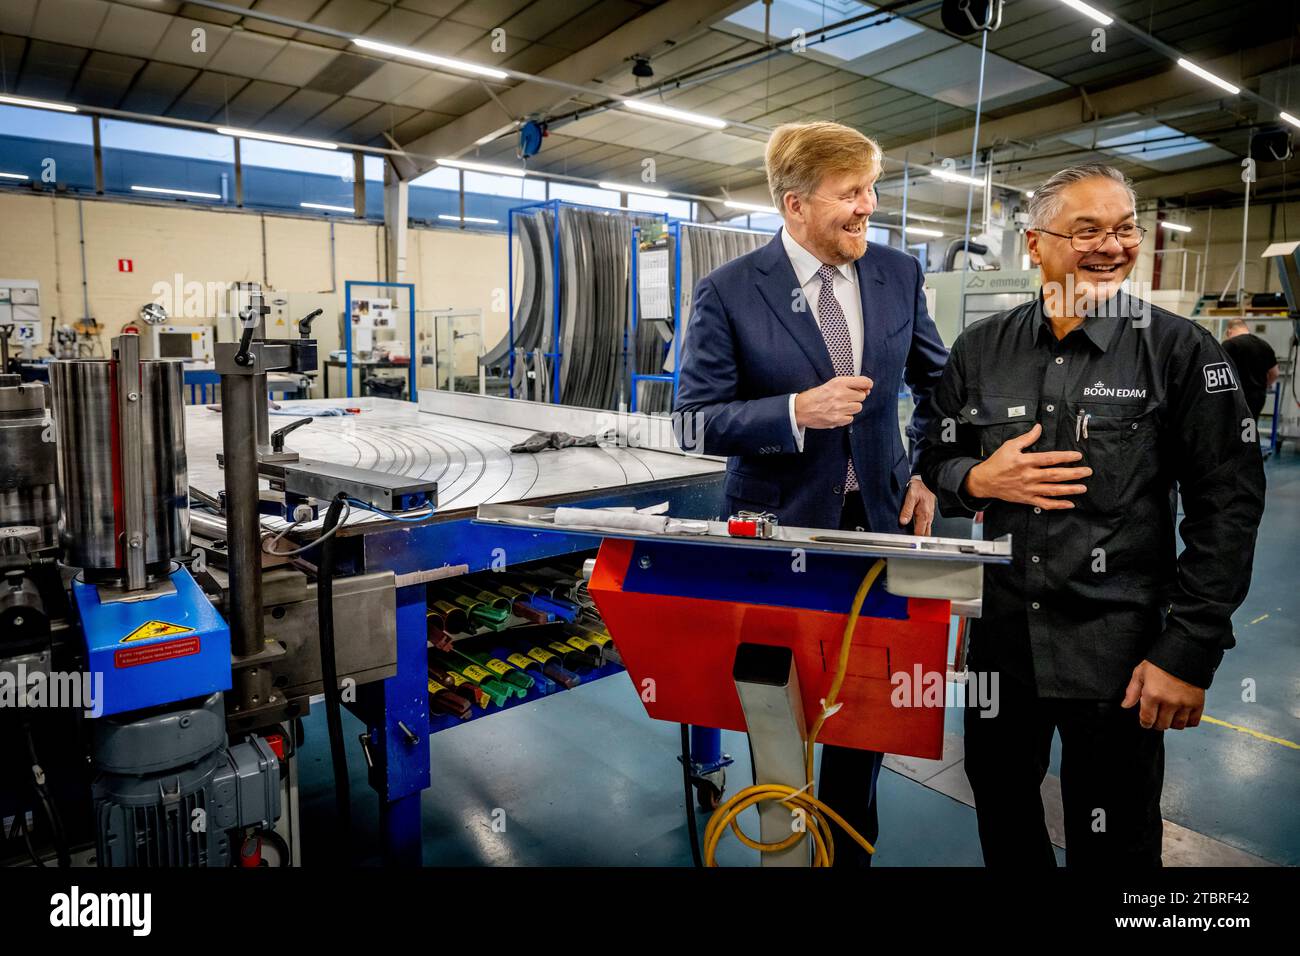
x,y
679,652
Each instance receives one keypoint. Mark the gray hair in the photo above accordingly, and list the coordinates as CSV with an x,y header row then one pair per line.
x,y
1045,203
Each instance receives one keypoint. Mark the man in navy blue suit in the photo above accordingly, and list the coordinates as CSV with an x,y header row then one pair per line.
x,y
791,367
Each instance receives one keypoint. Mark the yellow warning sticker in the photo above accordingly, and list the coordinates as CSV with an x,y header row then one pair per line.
x,y
151,629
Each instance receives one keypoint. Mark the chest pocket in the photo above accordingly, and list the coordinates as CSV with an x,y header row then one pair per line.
x,y
1118,442
998,418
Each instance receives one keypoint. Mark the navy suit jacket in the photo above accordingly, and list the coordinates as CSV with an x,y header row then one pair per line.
x,y
752,341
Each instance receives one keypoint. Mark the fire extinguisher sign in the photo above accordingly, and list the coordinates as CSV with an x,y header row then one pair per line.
x,y
125,265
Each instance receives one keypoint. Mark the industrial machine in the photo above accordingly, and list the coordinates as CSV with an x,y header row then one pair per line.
x,y
186,720
956,299
160,339
793,635
20,317
108,641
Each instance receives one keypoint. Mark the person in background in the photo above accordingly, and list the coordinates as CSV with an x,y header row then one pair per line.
x,y
1255,362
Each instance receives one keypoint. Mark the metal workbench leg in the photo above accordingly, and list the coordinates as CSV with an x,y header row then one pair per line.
x,y
708,765
396,711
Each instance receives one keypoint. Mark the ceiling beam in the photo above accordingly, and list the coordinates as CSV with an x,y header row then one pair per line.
x,y
1086,108
665,22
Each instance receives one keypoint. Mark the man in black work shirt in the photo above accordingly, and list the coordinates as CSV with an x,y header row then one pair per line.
x,y
1254,361
1070,421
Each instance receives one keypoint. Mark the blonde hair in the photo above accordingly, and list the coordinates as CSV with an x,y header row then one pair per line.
x,y
799,155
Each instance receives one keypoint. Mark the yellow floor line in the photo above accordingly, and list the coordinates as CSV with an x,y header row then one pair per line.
x,y
1254,733
1258,619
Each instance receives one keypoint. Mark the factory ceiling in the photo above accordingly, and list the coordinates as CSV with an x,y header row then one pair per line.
x,y
289,66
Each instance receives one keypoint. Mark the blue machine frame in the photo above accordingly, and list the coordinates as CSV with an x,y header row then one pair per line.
x,y
403,769
414,369
674,296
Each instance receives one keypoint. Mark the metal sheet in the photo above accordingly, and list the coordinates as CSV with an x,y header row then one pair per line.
x,y
594,276
861,543
470,460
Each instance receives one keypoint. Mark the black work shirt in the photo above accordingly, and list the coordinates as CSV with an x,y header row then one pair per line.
x,y
1252,358
1150,400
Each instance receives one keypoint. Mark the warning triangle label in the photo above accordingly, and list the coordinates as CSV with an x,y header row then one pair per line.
x,y
151,629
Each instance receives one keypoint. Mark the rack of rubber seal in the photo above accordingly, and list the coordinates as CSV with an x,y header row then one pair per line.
x,y
568,327
694,250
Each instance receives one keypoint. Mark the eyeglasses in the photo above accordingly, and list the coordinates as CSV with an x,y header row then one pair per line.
x,y
1092,238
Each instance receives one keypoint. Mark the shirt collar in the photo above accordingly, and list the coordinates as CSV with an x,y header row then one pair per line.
x,y
806,264
1099,329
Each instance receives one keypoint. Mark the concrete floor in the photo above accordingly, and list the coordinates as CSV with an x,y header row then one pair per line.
x,y
586,778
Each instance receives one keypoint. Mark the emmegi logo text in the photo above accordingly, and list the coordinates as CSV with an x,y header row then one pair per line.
x,y
1100,390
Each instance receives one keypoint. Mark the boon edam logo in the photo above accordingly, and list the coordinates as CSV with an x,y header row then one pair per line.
x,y
76,909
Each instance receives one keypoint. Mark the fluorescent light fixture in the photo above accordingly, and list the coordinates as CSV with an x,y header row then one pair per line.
x,y
1088,11
486,222
751,207
1290,119
1206,75
326,206
1175,226
680,116
18,176
642,190
276,138
918,231
37,104
163,190
919,216
951,177
447,63
482,167
1029,193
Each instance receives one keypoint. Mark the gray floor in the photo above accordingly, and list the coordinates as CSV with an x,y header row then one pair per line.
x,y
585,778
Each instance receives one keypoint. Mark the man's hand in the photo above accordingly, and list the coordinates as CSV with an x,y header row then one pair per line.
x,y
832,404
1166,701
1027,478
918,506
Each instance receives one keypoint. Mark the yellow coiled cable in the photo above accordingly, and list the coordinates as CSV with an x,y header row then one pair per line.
x,y
817,815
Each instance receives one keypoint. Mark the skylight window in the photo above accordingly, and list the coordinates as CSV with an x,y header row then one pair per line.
x,y
1156,143
810,15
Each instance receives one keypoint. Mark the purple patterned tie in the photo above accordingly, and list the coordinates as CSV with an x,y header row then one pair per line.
x,y
835,330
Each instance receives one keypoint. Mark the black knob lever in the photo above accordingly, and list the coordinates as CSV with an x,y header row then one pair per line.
x,y
242,358
277,436
304,324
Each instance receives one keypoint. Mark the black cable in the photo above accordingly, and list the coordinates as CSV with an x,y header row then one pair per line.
x,y
329,673
690,797
47,801
27,838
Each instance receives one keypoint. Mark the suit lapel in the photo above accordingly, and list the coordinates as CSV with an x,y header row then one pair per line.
x,y
777,285
873,320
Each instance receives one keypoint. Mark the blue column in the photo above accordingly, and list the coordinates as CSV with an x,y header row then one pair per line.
x,y
401,768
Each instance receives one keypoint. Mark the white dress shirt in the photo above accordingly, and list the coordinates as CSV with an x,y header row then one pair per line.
x,y
846,291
